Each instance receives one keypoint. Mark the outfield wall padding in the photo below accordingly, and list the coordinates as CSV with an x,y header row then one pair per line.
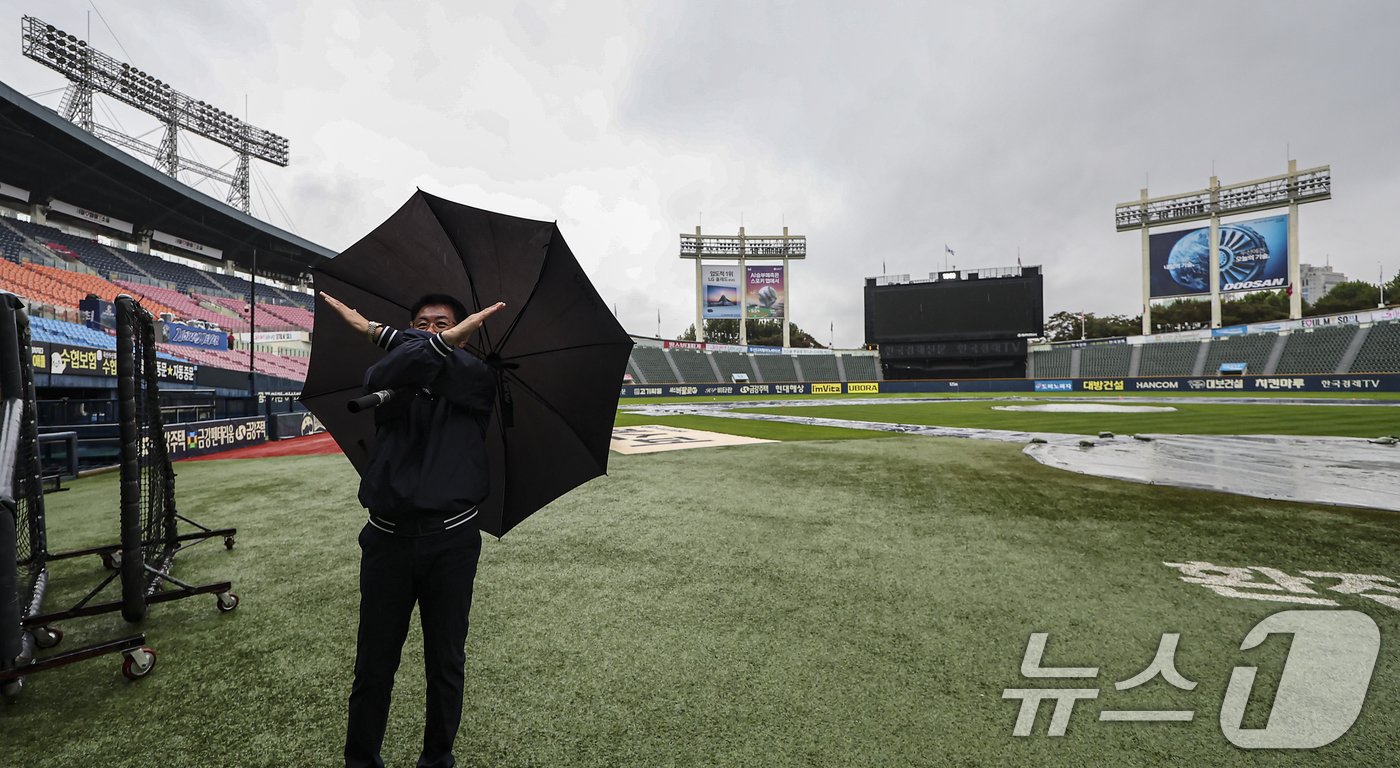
x,y
1357,384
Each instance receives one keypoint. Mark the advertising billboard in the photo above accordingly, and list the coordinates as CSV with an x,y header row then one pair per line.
x,y
1253,256
721,292
764,292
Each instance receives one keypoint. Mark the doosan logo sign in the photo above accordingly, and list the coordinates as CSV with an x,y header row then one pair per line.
x,y
1249,285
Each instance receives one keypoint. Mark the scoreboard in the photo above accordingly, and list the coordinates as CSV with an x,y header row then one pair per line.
x,y
969,306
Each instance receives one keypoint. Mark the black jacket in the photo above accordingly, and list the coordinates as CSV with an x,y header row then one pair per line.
x,y
430,438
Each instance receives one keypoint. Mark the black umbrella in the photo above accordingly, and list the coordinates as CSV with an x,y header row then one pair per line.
x,y
559,355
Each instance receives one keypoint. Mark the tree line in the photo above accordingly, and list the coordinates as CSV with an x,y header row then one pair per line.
x,y
1189,314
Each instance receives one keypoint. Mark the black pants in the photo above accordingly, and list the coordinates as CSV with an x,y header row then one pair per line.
x,y
435,571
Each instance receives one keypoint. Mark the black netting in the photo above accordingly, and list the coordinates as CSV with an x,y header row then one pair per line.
x,y
30,550
148,482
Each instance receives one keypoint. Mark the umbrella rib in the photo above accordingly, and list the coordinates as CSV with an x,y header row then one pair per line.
x,y
471,283
539,276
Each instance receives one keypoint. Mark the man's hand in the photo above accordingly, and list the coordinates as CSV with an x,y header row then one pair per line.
x,y
351,317
459,333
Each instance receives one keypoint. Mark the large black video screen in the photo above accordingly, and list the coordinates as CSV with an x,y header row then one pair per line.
x,y
998,307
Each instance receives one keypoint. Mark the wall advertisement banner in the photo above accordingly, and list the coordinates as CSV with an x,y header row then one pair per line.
x,y
201,437
764,292
1386,382
92,216
66,360
721,292
192,336
189,245
693,346
1253,256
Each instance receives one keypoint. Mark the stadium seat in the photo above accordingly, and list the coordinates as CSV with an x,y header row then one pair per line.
x,y
1251,349
1051,363
651,361
695,367
1317,350
731,363
1109,360
860,367
819,367
1380,352
1168,358
775,368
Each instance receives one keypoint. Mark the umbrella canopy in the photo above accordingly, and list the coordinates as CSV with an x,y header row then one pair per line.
x,y
559,355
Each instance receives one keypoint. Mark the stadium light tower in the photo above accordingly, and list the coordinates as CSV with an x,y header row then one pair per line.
x,y
1288,189
725,294
91,71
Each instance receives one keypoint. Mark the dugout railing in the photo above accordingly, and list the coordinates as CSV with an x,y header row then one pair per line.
x,y
23,535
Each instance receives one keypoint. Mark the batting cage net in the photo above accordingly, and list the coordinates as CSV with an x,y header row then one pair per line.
x,y
150,535
21,487
149,530
23,541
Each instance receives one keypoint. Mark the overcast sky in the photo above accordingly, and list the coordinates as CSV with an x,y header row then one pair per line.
x,y
879,130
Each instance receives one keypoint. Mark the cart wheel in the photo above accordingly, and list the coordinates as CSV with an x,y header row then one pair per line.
x,y
47,637
10,691
228,542
227,602
138,662
111,560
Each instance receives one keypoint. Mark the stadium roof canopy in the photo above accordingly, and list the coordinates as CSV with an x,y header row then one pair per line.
x,y
55,159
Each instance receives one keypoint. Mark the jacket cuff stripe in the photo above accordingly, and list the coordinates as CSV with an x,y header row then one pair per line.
x,y
386,336
439,345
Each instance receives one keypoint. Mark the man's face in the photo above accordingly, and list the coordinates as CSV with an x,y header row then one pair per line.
x,y
434,318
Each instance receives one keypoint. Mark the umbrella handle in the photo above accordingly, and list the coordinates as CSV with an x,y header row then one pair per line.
x,y
372,400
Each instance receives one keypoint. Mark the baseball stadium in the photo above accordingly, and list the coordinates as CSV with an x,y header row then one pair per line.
x,y
959,543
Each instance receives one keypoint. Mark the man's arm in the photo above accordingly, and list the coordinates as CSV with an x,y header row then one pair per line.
x,y
416,358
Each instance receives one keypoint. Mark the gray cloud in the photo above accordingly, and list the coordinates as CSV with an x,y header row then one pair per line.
x,y
879,130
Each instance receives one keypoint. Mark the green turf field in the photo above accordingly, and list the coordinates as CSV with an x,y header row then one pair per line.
x,y
810,603
1189,418
1210,418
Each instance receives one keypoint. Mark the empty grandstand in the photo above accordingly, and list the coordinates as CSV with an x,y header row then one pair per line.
x,y
651,364
1050,363
694,367
1380,352
1254,350
1104,360
732,364
1315,350
1341,345
1169,358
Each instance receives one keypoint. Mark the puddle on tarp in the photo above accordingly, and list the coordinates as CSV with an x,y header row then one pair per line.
x,y
1342,471
1320,470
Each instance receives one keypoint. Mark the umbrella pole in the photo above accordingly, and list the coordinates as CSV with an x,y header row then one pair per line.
x,y
253,326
